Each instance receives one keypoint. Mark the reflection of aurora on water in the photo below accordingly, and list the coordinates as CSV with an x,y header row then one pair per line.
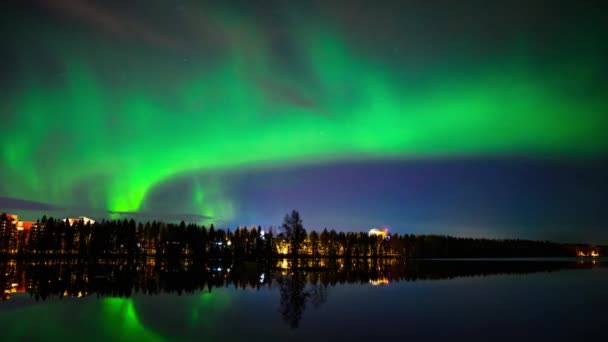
x,y
124,319
182,305
120,316
136,318
120,309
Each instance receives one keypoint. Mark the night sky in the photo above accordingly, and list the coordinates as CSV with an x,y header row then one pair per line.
x,y
469,118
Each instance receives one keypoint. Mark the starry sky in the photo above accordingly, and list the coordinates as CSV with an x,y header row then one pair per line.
x,y
473,119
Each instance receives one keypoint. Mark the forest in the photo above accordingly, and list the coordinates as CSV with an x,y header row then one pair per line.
x,y
51,237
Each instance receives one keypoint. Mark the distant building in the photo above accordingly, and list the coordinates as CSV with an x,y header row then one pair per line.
x,y
25,225
7,223
12,217
14,234
84,220
8,233
378,232
590,253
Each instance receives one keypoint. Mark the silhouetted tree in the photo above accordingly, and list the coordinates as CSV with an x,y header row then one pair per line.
x,y
324,240
294,232
314,243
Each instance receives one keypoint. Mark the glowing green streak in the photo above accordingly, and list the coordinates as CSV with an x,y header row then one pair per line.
x,y
119,141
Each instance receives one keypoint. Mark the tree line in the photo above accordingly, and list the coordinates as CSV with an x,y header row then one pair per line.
x,y
127,238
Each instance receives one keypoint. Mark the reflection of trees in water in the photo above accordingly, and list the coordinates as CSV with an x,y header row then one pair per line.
x,y
307,284
318,294
296,291
293,298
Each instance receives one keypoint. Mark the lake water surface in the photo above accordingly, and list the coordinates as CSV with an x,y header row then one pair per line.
x,y
545,300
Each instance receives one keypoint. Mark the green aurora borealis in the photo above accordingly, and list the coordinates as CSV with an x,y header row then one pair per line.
x,y
470,118
94,120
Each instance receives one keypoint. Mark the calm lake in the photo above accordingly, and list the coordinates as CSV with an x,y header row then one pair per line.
x,y
559,299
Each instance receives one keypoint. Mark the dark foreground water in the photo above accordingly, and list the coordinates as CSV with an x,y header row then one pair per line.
x,y
550,300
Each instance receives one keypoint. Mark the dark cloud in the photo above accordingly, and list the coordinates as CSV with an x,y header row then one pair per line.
x,y
21,204
37,209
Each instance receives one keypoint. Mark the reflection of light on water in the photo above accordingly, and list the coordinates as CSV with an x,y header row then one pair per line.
x,y
379,281
14,288
80,294
204,299
208,306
